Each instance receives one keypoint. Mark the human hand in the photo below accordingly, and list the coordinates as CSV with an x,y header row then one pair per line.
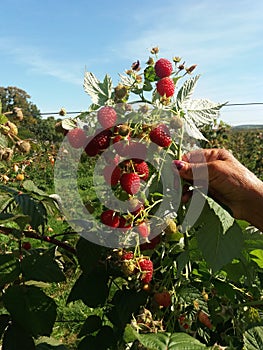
x,y
229,182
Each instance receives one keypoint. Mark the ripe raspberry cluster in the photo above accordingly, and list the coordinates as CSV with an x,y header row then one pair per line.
x,y
123,145
163,69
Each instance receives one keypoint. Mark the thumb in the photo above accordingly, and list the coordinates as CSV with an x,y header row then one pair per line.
x,y
191,171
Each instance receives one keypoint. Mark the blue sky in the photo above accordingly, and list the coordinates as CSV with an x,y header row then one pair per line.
x,y
46,46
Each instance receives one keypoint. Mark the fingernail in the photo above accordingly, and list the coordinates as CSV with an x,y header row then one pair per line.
x,y
178,164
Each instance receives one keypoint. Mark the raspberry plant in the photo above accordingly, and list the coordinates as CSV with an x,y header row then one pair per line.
x,y
155,272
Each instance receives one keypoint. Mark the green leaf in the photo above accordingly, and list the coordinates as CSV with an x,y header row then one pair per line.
x,y
3,141
91,288
88,254
92,324
258,257
9,268
202,111
186,91
31,309
16,338
168,341
46,343
125,303
218,245
98,92
29,186
4,321
68,124
33,208
225,218
42,267
88,342
3,118
253,338
149,74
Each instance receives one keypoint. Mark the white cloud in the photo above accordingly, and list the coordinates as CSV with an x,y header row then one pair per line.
x,y
36,61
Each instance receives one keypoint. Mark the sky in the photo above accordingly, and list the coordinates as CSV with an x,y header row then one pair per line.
x,y
46,47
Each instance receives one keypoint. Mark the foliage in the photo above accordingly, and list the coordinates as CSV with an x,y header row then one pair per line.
x,y
211,266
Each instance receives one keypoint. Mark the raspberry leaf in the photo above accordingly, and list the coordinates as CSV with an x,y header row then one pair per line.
x,y
186,92
99,92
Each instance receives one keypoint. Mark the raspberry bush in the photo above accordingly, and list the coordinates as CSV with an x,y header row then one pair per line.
x,y
154,272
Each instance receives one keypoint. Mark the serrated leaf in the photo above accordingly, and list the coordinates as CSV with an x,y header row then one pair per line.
x,y
68,124
168,341
3,118
31,309
202,111
29,186
192,130
33,208
98,92
186,91
3,141
91,288
42,267
91,325
218,246
15,338
9,268
88,254
225,218
253,338
257,256
46,343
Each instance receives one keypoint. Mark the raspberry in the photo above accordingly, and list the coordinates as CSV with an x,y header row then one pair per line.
x,y
161,136
110,218
163,298
112,174
107,117
146,267
124,224
26,245
99,142
165,86
127,256
121,144
151,244
142,169
77,138
163,68
143,229
130,182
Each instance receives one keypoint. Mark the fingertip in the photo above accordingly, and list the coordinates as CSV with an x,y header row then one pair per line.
x,y
178,164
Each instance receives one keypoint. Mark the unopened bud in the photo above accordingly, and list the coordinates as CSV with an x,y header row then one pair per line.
x,y
155,50
62,112
136,66
150,61
18,113
190,69
120,91
176,59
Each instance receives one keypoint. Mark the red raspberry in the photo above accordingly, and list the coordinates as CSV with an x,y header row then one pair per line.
x,y
107,117
77,137
110,218
112,174
165,86
92,148
130,182
161,135
26,245
142,169
146,267
163,298
99,142
121,144
163,68
127,256
152,244
124,224
143,229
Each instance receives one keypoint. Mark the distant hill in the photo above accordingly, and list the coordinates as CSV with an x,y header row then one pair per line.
x,y
248,126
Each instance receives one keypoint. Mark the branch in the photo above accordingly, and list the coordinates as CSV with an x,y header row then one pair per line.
x,y
35,235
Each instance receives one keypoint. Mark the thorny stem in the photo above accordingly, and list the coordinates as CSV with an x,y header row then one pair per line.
x,y
35,235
